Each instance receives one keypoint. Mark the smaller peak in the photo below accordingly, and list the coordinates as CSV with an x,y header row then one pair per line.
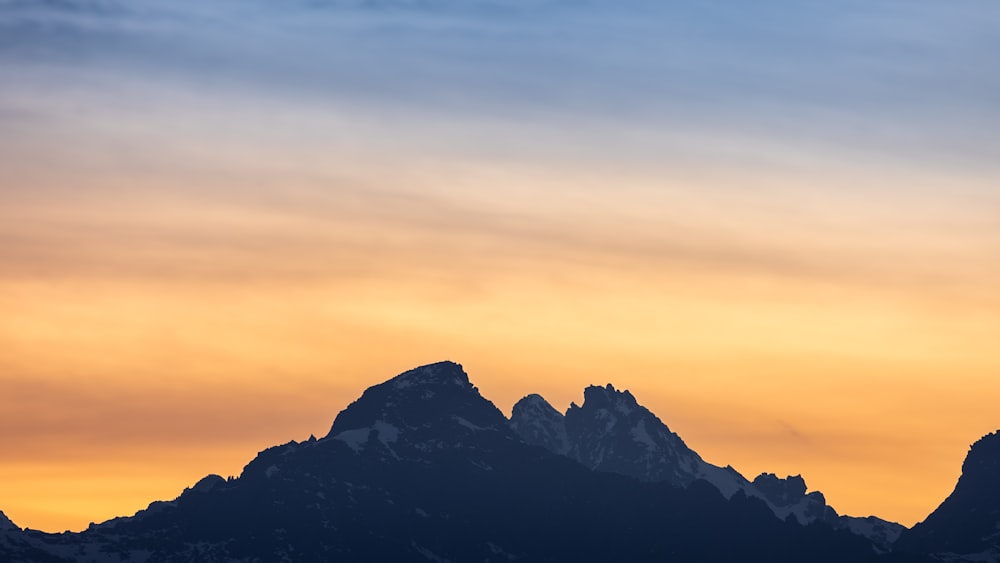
x,y
208,483
781,492
533,407
439,373
533,401
538,423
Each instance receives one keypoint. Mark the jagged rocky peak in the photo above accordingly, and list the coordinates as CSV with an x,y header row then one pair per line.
x,y
787,497
781,492
607,411
540,424
433,400
6,524
612,432
607,397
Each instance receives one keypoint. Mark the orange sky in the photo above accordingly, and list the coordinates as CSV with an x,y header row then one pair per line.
x,y
793,265
150,337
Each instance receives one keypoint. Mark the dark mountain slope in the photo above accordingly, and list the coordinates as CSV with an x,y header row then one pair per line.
x,y
968,521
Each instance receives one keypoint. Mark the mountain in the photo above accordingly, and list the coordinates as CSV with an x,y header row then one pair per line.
x,y
967,523
612,432
423,468
788,498
6,524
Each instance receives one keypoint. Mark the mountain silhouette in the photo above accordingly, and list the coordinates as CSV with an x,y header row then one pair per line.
x,y
968,522
612,432
423,468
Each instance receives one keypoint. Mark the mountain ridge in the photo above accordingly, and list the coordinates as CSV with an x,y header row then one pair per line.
x,y
613,432
423,468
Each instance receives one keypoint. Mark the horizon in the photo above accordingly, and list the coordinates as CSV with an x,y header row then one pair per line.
x,y
777,225
507,415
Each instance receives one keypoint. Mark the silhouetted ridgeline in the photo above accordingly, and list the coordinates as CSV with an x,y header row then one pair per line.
x,y
423,468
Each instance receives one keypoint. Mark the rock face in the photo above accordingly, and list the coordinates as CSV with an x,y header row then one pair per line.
x,y
788,497
539,424
423,468
611,432
430,408
968,522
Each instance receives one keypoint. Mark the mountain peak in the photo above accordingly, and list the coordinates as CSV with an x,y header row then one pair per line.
x,y
540,424
612,432
415,405
778,491
439,373
608,397
533,400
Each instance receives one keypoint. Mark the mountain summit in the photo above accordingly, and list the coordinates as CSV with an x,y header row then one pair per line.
x,y
429,407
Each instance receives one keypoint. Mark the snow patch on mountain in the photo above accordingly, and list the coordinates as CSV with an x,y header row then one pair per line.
x,y
726,479
387,433
469,425
881,532
640,435
356,438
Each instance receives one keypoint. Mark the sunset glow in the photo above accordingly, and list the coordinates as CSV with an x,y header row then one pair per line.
x,y
212,248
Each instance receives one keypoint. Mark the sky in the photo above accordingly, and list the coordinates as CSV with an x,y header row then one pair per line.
x,y
777,223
